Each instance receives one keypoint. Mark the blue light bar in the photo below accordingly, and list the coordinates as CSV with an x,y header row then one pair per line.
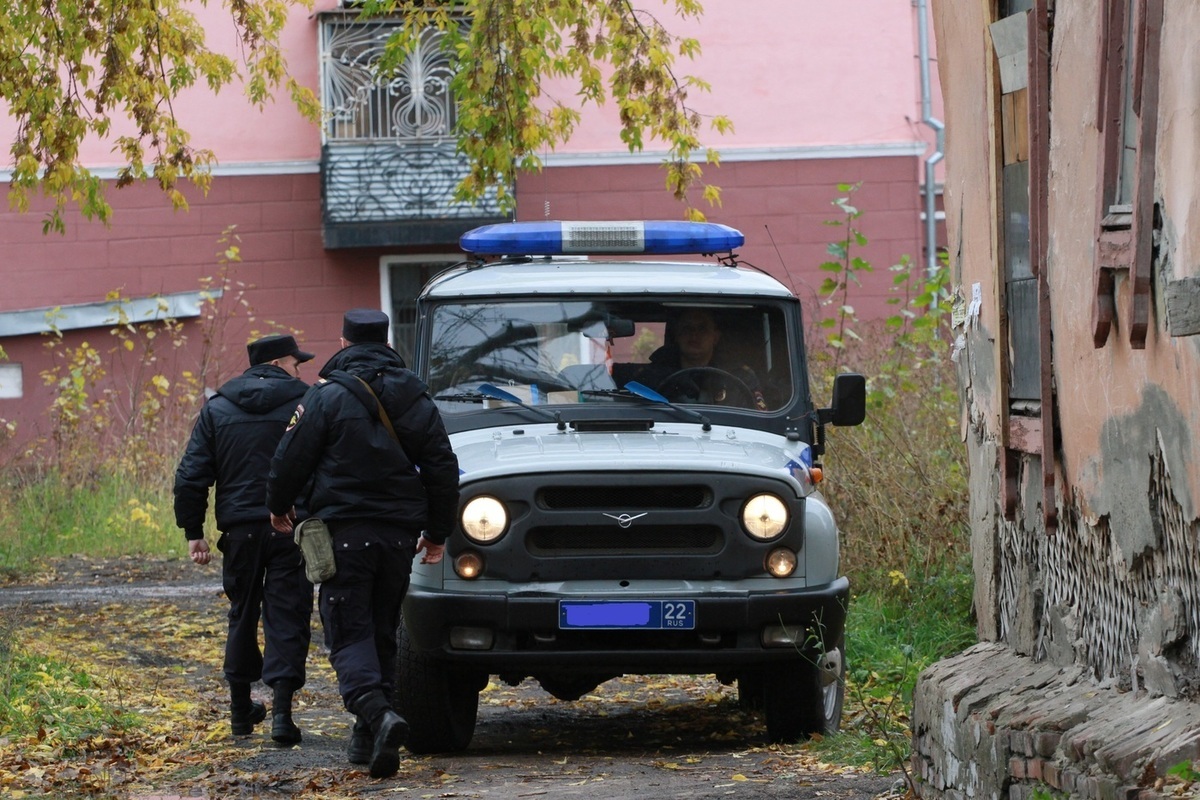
x,y
652,237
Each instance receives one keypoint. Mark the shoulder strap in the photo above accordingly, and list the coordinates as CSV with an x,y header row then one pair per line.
x,y
383,416
363,392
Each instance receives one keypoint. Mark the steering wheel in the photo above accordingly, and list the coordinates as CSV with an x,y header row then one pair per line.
x,y
729,390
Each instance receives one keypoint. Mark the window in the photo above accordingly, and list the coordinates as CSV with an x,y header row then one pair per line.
x,y
1010,36
1127,121
1021,40
12,386
403,281
413,105
583,349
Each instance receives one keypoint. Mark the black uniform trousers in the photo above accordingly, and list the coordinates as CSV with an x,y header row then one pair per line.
x,y
263,574
360,605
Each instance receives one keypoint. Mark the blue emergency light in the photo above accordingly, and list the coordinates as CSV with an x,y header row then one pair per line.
x,y
651,237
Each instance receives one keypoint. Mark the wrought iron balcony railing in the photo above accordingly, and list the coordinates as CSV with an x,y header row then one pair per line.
x,y
389,164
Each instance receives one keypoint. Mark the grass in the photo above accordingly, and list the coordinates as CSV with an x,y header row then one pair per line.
x,y
109,516
43,697
891,636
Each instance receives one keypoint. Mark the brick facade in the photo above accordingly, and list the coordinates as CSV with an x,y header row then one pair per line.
x,y
292,281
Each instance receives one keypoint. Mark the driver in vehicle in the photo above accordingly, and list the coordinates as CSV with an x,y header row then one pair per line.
x,y
685,369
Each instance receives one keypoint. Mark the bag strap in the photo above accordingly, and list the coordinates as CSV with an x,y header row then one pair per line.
x,y
356,386
383,416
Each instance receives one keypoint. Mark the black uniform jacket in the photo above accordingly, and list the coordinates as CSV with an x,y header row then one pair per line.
x,y
358,471
231,445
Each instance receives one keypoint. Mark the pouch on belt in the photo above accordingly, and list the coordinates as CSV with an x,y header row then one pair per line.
x,y
316,546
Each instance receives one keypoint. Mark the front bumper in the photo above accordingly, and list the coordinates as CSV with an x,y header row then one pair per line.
x,y
526,635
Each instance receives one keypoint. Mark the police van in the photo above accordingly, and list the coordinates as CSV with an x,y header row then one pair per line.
x,y
640,469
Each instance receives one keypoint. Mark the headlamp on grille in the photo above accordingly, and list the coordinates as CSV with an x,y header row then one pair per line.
x,y
484,519
764,517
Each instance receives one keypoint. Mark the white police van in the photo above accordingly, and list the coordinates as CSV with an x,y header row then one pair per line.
x,y
625,510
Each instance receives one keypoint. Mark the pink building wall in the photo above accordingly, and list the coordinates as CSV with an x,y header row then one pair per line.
x,y
831,95
788,74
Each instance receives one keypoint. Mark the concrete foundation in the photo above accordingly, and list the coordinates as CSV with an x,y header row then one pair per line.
x,y
990,723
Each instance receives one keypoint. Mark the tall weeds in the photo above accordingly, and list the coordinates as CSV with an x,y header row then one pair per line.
x,y
99,481
898,484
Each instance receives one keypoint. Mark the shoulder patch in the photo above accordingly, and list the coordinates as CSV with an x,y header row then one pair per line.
x,y
295,420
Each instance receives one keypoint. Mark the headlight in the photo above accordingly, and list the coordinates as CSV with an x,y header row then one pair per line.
x,y
484,519
764,516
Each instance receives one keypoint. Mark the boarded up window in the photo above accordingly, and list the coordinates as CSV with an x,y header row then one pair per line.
x,y
1127,116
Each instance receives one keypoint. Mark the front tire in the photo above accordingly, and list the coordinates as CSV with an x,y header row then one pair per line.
x,y
805,697
440,704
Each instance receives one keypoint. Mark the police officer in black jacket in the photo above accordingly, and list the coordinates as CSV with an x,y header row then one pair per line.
x,y
384,499
231,446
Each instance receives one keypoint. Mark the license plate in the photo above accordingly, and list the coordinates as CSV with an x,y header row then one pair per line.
x,y
628,614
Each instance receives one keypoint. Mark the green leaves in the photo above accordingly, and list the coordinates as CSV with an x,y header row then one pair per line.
x,y
70,69
503,54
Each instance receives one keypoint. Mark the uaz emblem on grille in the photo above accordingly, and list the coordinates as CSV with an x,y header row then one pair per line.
x,y
625,520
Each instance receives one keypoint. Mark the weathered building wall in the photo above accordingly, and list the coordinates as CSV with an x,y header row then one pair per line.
x,y
1112,591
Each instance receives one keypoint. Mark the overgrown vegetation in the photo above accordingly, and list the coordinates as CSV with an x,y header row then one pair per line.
x,y
99,481
44,696
898,484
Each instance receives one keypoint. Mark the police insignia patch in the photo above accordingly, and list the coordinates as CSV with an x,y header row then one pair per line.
x,y
295,417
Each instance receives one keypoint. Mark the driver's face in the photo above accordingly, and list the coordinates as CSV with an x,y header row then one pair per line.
x,y
696,336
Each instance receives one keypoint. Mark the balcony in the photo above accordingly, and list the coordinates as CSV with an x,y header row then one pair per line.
x,y
389,163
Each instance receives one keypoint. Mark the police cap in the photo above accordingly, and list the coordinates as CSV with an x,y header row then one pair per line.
x,y
277,345
365,325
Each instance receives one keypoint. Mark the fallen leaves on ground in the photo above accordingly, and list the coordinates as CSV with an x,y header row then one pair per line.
x,y
154,668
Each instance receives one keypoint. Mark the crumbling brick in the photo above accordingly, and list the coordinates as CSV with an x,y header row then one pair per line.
x,y
1045,743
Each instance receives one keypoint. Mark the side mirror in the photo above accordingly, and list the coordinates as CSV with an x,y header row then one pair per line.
x,y
849,400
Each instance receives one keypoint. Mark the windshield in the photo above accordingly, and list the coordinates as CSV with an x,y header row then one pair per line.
x,y
584,351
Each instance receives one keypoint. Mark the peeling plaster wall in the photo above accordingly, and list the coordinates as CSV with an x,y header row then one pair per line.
x,y
1114,592
1127,472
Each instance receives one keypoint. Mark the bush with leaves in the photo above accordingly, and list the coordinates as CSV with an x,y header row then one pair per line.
x,y
100,481
898,483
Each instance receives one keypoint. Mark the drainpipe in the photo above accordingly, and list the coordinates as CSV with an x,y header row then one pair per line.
x,y
931,261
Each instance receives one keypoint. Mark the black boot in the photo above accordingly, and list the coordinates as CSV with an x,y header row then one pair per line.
x,y
390,731
283,730
362,742
244,713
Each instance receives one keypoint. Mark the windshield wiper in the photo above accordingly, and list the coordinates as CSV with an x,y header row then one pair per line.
x,y
496,393
646,393
461,397
607,392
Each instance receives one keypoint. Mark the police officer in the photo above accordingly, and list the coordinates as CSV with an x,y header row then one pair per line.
x,y
231,446
385,494
691,350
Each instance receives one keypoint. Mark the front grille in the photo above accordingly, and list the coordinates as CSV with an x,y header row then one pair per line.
x,y
624,497
625,526
612,540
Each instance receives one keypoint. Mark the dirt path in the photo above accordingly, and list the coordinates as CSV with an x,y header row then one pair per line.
x,y
151,634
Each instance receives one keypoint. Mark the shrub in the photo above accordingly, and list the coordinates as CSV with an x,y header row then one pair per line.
x,y
898,482
100,481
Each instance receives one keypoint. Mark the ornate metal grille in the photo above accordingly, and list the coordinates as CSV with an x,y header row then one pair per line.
x,y
390,142
393,181
414,104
